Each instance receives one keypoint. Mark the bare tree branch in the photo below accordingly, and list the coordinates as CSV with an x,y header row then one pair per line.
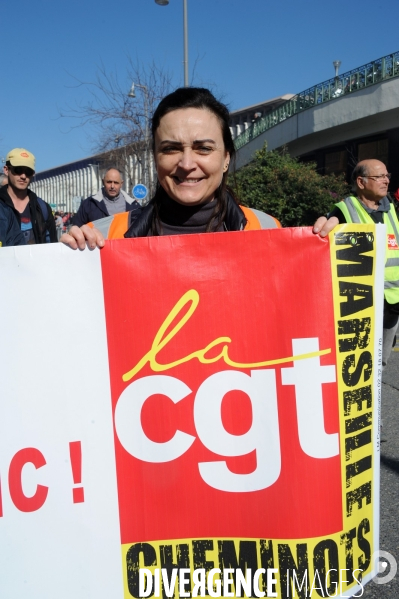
x,y
113,119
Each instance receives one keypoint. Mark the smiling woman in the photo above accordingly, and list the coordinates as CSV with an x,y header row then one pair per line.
x,y
190,155
193,149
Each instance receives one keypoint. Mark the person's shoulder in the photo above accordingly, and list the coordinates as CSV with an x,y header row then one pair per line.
x,y
113,226
44,206
33,197
131,203
4,193
96,197
127,197
134,206
6,211
338,213
44,202
10,232
256,219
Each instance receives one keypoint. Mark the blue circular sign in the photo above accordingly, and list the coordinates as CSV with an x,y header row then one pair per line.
x,y
140,191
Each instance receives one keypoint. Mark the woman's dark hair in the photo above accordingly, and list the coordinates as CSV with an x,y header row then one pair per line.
x,y
202,98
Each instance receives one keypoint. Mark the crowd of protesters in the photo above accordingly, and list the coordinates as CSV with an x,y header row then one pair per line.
x,y
63,222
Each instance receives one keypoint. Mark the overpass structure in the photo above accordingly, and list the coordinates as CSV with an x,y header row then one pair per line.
x,y
335,123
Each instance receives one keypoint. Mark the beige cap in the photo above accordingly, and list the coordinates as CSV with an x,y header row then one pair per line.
x,y
21,157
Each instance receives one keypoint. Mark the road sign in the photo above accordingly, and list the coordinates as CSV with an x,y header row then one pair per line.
x,y
140,191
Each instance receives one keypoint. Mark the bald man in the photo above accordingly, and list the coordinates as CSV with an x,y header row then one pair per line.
x,y
109,200
370,204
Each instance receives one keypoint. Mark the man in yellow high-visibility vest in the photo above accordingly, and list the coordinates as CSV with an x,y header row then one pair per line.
x,y
370,204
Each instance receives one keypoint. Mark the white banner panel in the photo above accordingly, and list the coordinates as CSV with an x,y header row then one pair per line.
x,y
55,391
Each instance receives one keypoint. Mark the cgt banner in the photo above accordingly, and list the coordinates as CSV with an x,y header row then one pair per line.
x,y
192,415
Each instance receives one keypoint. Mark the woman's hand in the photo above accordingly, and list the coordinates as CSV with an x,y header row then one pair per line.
x,y
79,237
323,226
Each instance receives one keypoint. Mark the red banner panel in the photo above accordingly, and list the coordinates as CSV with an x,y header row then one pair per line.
x,y
218,431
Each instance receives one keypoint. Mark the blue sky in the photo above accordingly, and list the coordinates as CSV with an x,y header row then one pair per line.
x,y
247,51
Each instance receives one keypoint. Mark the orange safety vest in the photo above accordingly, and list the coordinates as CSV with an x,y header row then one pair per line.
x,y
253,222
118,225
115,227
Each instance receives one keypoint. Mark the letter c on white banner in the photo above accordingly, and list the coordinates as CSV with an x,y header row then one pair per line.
x,y
128,419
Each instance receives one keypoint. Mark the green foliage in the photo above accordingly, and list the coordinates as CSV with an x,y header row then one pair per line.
x,y
291,191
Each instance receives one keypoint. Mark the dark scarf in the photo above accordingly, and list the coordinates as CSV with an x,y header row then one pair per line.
x,y
177,219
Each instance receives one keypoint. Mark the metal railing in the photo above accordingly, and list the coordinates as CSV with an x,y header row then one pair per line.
x,y
381,69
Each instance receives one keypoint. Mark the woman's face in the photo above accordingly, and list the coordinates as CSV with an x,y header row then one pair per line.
x,y
190,155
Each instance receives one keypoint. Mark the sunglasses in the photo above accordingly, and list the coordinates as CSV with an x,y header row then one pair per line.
x,y
22,170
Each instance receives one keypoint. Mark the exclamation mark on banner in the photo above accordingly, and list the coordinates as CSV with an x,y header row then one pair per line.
x,y
75,450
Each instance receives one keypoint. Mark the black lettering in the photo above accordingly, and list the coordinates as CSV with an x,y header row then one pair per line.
x,y
356,497
133,565
359,329
266,561
287,565
355,442
182,561
199,556
352,425
364,293
266,554
357,468
324,551
357,396
247,557
359,244
364,545
347,540
352,377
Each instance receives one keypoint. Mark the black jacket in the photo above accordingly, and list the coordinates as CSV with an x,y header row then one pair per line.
x,y
10,231
44,230
94,208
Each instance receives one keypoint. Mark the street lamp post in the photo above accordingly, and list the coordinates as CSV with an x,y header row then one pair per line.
x,y
185,35
132,94
336,65
338,88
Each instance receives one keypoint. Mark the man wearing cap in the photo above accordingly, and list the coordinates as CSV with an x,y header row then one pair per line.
x,y
33,214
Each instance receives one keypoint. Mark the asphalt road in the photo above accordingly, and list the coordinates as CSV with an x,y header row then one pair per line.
x,y
389,534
